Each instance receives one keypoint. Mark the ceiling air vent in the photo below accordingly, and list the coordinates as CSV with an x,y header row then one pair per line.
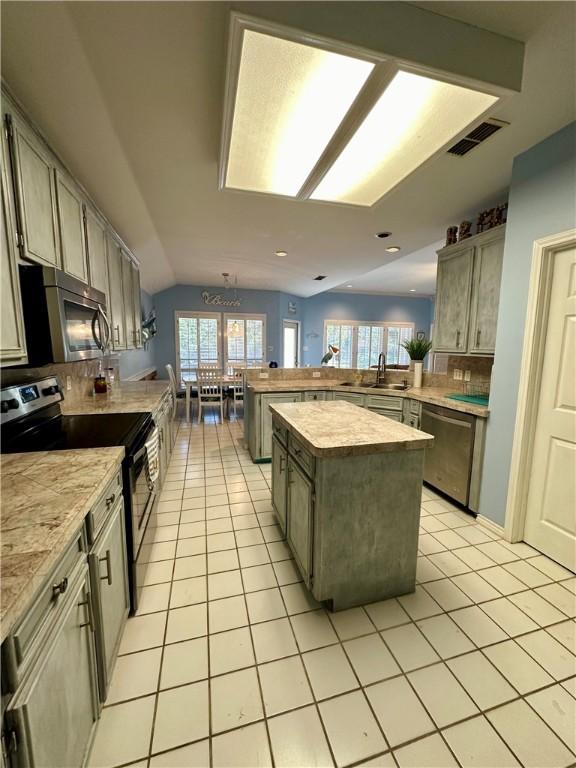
x,y
320,277
477,136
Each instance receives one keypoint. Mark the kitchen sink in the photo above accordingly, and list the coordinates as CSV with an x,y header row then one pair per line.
x,y
396,387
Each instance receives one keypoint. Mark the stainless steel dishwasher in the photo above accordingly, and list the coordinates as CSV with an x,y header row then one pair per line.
x,y
448,461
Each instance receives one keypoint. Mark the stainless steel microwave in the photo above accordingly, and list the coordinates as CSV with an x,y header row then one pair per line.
x,y
65,320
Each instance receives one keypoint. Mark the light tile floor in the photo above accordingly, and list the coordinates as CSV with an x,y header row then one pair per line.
x,y
230,662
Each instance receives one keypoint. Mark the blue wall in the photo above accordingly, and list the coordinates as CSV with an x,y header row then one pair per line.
x,y
135,361
542,202
354,306
273,304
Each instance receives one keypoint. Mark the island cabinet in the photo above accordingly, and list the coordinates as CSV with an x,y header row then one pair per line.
x,y
49,665
468,293
346,489
258,420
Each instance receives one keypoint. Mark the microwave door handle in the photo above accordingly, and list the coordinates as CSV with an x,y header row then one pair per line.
x,y
107,326
95,335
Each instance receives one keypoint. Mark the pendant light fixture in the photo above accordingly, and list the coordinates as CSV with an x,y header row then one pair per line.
x,y
234,329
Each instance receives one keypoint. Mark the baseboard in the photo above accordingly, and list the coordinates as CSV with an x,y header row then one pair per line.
x,y
491,525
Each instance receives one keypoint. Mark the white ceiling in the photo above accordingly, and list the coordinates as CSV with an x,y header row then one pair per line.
x,y
130,95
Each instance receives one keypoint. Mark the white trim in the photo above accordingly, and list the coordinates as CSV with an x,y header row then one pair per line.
x,y
355,324
530,377
178,313
298,340
141,374
491,525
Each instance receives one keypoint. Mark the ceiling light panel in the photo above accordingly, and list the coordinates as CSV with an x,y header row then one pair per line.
x,y
290,99
412,120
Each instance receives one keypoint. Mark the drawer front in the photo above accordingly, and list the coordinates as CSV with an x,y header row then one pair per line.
x,y
100,511
386,402
414,421
350,397
314,396
23,644
415,407
394,415
301,454
280,432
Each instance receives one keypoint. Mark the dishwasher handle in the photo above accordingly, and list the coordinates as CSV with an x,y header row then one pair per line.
x,y
447,419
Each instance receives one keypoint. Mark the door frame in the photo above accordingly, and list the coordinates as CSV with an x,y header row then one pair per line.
x,y
535,330
298,343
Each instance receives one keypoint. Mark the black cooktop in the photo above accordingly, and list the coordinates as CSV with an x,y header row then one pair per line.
x,y
60,432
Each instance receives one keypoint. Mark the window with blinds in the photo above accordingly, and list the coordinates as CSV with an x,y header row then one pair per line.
x,y
197,342
360,343
245,340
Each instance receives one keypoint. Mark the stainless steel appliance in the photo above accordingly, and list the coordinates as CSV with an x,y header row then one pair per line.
x,y
64,319
32,420
448,461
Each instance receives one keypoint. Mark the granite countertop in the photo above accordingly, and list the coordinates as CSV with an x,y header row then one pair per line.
x,y
45,497
337,428
432,395
125,397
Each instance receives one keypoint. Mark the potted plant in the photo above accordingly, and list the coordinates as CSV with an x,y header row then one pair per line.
x,y
417,349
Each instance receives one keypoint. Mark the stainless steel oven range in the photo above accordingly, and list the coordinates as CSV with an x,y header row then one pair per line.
x,y
31,420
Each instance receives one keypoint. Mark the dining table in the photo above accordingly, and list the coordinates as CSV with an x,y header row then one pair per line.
x,y
191,382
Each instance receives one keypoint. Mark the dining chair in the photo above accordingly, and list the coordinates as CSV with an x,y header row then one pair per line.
x,y
178,393
210,390
238,373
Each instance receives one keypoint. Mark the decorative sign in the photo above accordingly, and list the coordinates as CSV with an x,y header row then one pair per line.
x,y
218,300
291,307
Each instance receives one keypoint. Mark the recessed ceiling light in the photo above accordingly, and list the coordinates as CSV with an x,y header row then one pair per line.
x,y
393,248
412,290
281,253
349,286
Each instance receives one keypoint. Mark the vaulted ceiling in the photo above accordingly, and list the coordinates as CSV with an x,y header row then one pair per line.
x,y
130,95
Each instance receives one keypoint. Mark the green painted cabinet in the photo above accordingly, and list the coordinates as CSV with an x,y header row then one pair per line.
x,y
453,300
314,395
71,224
96,246
116,308
265,451
279,485
300,506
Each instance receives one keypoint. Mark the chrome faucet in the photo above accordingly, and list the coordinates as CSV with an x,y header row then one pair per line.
x,y
381,372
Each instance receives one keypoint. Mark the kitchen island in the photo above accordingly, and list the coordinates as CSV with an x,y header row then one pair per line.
x,y
346,488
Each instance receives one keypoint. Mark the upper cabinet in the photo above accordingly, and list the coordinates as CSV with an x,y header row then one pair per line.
x,y
467,294
71,221
136,301
96,247
34,180
12,339
128,301
116,294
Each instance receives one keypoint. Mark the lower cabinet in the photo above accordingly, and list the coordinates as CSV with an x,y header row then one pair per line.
x,y
265,451
111,602
350,397
300,500
313,395
279,467
51,716
394,415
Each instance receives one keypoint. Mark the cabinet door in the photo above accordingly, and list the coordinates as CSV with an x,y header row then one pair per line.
x,y
108,569
136,303
453,301
313,396
128,301
279,459
485,297
116,294
33,167
350,397
12,339
299,518
71,221
266,418
54,711
96,243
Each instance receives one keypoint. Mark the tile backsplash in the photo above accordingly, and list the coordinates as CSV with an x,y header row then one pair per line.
x,y
81,375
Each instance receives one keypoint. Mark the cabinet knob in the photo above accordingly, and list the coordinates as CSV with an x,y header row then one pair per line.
x,y
60,588
110,500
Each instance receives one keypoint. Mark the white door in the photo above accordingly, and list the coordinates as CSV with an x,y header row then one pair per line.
x,y
291,343
551,501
